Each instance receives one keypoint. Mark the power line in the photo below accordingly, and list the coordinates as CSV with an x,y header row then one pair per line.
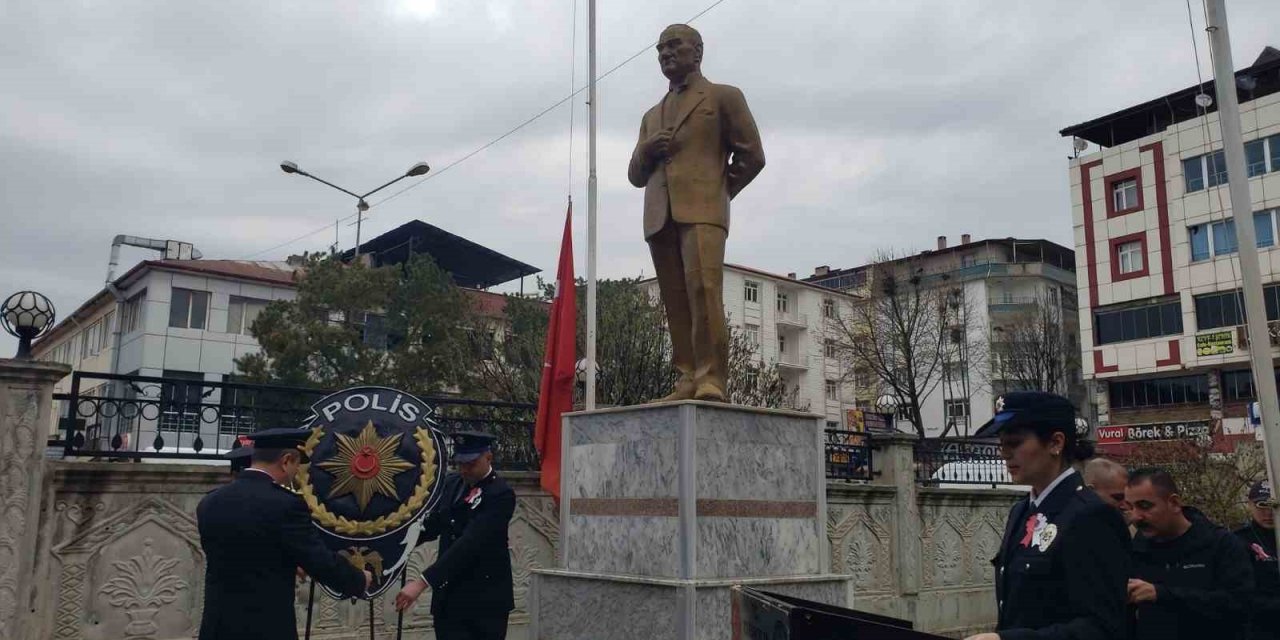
x,y
494,141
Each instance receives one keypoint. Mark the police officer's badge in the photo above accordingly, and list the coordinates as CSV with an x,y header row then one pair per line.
x,y
377,462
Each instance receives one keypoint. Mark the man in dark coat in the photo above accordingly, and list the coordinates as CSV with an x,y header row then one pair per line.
x,y
470,582
1259,536
256,534
1191,578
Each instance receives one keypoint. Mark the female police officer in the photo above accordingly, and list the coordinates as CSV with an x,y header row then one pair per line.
x,y
1063,565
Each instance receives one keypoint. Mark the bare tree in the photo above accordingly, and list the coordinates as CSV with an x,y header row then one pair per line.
x,y
1037,348
900,333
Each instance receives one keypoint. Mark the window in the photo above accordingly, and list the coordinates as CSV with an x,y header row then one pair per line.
x,y
833,390
1238,385
1264,228
1130,256
753,334
107,326
188,309
1262,156
92,343
373,331
782,343
131,314
1138,323
241,312
828,308
1226,308
1154,392
1255,157
1212,239
783,303
1209,170
862,379
180,401
1124,194
829,348
751,291
1219,310
957,409
954,369
968,260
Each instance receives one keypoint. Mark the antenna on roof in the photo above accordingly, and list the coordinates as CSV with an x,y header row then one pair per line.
x,y
1078,144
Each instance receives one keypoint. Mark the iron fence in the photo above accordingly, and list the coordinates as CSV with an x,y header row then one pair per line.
x,y
959,461
848,455
113,416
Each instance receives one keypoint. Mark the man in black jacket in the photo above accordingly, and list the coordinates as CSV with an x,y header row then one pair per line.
x,y
1260,538
1192,578
256,534
470,581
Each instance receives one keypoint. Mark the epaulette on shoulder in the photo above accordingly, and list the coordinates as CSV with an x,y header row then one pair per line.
x,y
290,490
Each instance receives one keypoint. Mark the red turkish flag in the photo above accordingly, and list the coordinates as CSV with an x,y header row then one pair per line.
x,y
555,393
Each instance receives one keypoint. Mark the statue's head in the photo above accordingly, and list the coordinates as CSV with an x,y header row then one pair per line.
x,y
679,51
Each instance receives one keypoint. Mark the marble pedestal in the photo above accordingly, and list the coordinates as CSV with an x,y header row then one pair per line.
x,y
665,506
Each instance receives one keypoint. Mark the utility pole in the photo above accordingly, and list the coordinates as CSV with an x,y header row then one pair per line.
x,y
1224,81
591,207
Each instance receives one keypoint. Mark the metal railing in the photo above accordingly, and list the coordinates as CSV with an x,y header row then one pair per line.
x,y
847,455
959,461
134,417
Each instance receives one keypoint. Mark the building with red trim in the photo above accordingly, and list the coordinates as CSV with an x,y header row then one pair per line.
x,y
1159,276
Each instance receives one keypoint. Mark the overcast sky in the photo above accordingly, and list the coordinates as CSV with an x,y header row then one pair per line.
x,y
885,124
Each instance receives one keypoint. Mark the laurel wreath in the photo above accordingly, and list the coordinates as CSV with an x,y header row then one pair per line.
x,y
339,524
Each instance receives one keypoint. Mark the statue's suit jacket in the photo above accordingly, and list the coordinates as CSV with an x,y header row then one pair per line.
x,y
697,180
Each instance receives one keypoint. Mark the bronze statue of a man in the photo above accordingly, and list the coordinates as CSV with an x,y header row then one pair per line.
x,y
698,148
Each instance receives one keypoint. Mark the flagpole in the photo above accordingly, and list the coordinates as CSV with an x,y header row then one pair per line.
x,y
591,207
1264,382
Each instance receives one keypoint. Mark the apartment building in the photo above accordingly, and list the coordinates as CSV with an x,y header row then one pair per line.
x,y
1160,308
991,285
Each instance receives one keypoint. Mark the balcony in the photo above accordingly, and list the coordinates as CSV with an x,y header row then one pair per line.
x,y
794,362
1010,303
796,320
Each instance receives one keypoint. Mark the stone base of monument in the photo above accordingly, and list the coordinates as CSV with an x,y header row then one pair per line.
x,y
568,605
665,506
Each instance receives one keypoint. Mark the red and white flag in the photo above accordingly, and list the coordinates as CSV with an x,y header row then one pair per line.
x,y
555,393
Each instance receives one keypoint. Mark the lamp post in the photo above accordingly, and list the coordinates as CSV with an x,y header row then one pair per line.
x,y
25,315
361,206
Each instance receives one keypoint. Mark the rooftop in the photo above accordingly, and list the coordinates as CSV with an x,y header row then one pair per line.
x,y
1260,79
471,265
1022,250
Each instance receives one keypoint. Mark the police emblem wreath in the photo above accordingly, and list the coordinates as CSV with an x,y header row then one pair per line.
x,y
377,462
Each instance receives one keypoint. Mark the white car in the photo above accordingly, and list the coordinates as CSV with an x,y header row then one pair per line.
x,y
976,474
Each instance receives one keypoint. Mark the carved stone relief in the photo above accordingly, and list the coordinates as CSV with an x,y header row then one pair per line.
x,y
959,541
17,446
137,574
861,540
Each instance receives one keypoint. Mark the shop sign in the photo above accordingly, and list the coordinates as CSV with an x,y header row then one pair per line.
x,y
1214,344
1189,430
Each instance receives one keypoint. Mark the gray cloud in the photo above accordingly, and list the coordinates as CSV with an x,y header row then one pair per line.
x,y
885,124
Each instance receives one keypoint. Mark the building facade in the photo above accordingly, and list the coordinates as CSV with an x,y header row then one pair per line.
x,y
1160,306
788,320
178,319
991,288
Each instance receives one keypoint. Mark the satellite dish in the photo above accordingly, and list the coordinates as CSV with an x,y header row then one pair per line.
x,y
1079,144
1204,100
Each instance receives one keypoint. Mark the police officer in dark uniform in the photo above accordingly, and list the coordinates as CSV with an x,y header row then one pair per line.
x,y
256,533
1259,536
471,579
1063,564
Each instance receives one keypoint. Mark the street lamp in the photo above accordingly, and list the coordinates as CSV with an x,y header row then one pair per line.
x,y
26,315
418,169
